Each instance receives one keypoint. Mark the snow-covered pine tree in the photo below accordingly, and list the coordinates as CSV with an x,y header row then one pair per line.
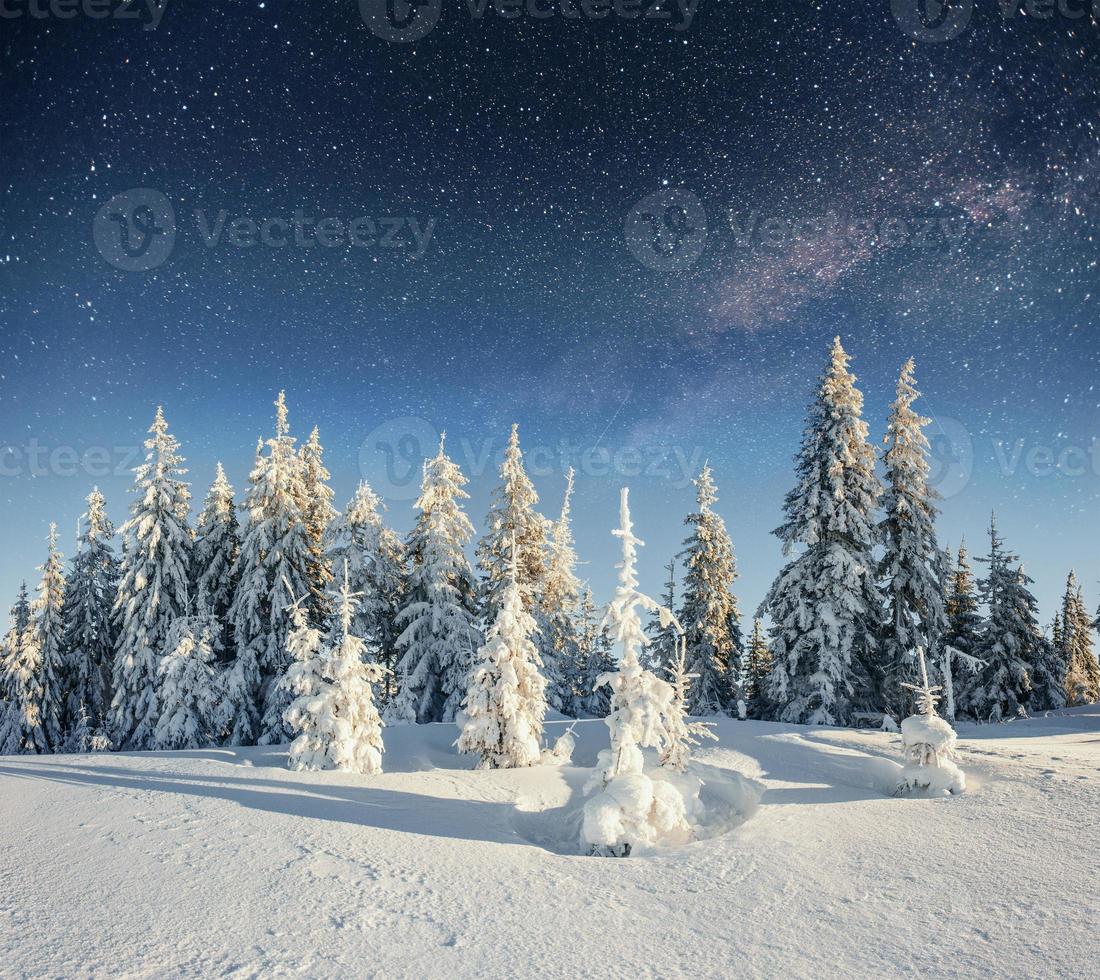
x,y
512,513
964,630
592,700
90,594
318,513
559,641
1002,688
910,569
153,589
755,666
337,723
188,695
305,675
274,558
505,702
1082,673
711,618
683,735
824,606
929,743
664,644
20,619
217,545
438,635
375,560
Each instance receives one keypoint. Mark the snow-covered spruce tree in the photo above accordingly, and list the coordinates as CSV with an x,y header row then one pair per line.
x,y
664,644
628,809
929,743
963,635
910,569
20,619
438,635
335,720
755,666
683,735
318,513
1082,673
1002,688
214,556
824,606
375,560
505,703
153,588
89,644
559,640
305,675
189,693
591,699
711,618
512,514
271,570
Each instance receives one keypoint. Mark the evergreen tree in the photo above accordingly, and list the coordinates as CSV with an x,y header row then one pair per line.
x,y
20,619
375,559
664,645
1082,673
512,514
153,589
590,699
318,513
438,634
681,735
1002,689
337,723
304,677
188,717
89,644
559,640
963,635
273,567
505,702
756,664
217,546
711,619
824,605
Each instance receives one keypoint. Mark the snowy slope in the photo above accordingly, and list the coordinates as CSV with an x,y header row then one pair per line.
x,y
223,862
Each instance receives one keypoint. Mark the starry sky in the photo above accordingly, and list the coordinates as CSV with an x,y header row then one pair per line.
x,y
634,239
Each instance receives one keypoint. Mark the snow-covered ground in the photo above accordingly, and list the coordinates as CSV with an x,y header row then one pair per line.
x,y
223,862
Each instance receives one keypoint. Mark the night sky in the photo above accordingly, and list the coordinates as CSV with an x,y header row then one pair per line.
x,y
598,268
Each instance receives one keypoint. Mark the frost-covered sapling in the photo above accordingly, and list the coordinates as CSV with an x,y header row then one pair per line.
x,y
683,735
929,744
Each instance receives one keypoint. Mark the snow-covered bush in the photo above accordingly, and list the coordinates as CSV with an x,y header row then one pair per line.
x,y
929,744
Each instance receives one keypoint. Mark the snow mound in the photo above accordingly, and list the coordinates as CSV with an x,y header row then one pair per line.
x,y
929,730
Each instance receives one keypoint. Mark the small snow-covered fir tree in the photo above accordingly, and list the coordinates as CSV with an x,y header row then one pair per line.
x,y
512,514
929,743
336,723
505,703
963,635
592,699
274,558
188,716
628,809
20,619
911,566
438,635
1002,689
664,642
755,665
711,618
217,545
90,594
559,641
824,606
153,588
375,559
317,513
1082,673
306,673
682,735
